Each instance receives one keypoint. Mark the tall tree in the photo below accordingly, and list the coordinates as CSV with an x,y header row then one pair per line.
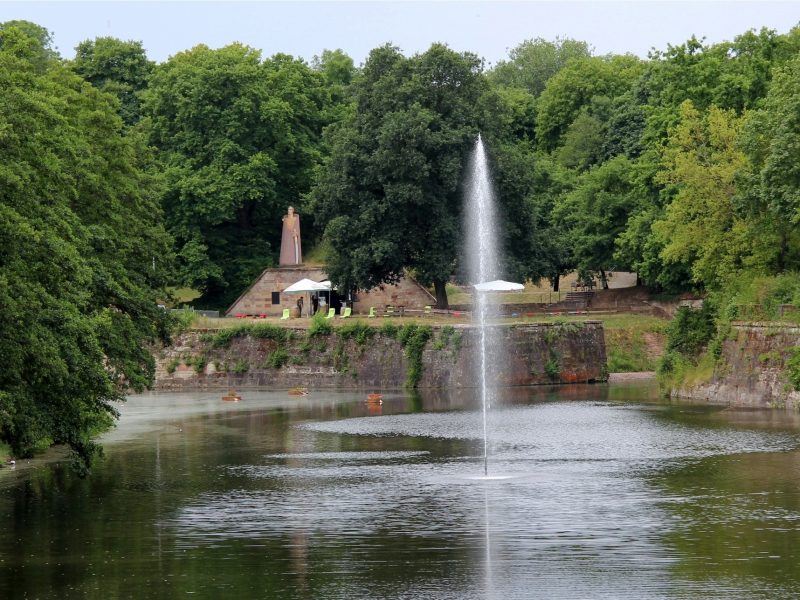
x,y
596,213
701,227
770,191
239,137
117,67
79,225
390,191
576,86
533,62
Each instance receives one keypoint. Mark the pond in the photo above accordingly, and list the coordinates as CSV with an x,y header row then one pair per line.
x,y
599,491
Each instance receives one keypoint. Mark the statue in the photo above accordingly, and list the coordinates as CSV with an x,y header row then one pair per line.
x,y
291,250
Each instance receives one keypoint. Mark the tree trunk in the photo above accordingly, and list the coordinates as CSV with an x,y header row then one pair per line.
x,y
441,294
603,279
555,280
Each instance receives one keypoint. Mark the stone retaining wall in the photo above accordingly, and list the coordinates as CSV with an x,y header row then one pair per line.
x,y
534,354
752,371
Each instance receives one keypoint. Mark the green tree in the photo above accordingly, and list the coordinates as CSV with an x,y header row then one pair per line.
x,y
575,86
770,191
596,212
240,139
535,61
79,227
390,191
117,67
701,228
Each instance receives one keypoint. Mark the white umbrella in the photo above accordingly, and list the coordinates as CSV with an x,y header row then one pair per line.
x,y
305,285
498,285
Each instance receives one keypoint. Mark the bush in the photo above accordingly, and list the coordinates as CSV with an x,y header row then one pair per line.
x,y
267,331
389,330
414,338
320,326
241,366
793,366
358,331
552,368
691,330
278,358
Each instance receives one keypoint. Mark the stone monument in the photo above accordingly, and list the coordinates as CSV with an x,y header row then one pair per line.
x,y
291,249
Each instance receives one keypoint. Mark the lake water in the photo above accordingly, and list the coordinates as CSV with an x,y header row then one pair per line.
x,y
593,492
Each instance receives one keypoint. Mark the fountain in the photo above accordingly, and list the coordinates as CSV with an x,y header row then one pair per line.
x,y
482,261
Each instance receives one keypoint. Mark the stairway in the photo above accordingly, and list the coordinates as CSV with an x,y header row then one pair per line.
x,y
579,299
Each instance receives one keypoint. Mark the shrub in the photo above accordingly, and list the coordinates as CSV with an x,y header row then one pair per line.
x,y
268,331
552,368
389,330
278,358
414,338
320,326
358,331
793,367
241,366
691,330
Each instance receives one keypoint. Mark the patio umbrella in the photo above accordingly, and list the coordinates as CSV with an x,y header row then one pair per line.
x,y
306,286
498,285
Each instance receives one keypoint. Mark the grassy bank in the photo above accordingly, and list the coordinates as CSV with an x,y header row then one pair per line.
x,y
633,342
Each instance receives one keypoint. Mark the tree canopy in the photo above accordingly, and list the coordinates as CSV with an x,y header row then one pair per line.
x,y
80,224
389,193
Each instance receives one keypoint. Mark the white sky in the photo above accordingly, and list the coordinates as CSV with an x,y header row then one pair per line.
x,y
305,28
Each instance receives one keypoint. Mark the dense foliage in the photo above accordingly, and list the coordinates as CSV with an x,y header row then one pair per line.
x,y
119,177
80,224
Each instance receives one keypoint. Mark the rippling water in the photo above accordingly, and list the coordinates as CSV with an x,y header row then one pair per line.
x,y
605,495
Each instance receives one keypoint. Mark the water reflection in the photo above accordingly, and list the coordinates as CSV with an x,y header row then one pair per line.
x,y
605,494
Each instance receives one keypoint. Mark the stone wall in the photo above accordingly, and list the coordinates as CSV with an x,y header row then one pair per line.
x,y
535,354
257,299
752,370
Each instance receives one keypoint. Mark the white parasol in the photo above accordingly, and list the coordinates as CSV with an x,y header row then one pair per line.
x,y
498,285
306,285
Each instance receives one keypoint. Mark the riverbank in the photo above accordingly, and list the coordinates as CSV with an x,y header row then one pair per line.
x,y
757,367
389,356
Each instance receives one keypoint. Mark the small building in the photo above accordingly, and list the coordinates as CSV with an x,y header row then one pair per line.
x,y
265,295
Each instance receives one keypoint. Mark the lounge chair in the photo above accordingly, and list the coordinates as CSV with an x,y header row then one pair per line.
x,y
331,313
371,314
285,314
346,312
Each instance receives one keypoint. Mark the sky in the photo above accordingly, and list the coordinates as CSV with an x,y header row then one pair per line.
x,y
305,28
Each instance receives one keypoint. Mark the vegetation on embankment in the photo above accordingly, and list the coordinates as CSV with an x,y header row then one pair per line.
x,y
383,354
634,342
412,336
695,337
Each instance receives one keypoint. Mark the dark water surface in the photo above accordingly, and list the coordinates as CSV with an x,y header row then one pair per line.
x,y
594,492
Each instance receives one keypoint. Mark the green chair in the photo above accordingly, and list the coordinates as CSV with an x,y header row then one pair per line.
x,y
389,312
285,314
371,314
427,311
346,312
331,313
